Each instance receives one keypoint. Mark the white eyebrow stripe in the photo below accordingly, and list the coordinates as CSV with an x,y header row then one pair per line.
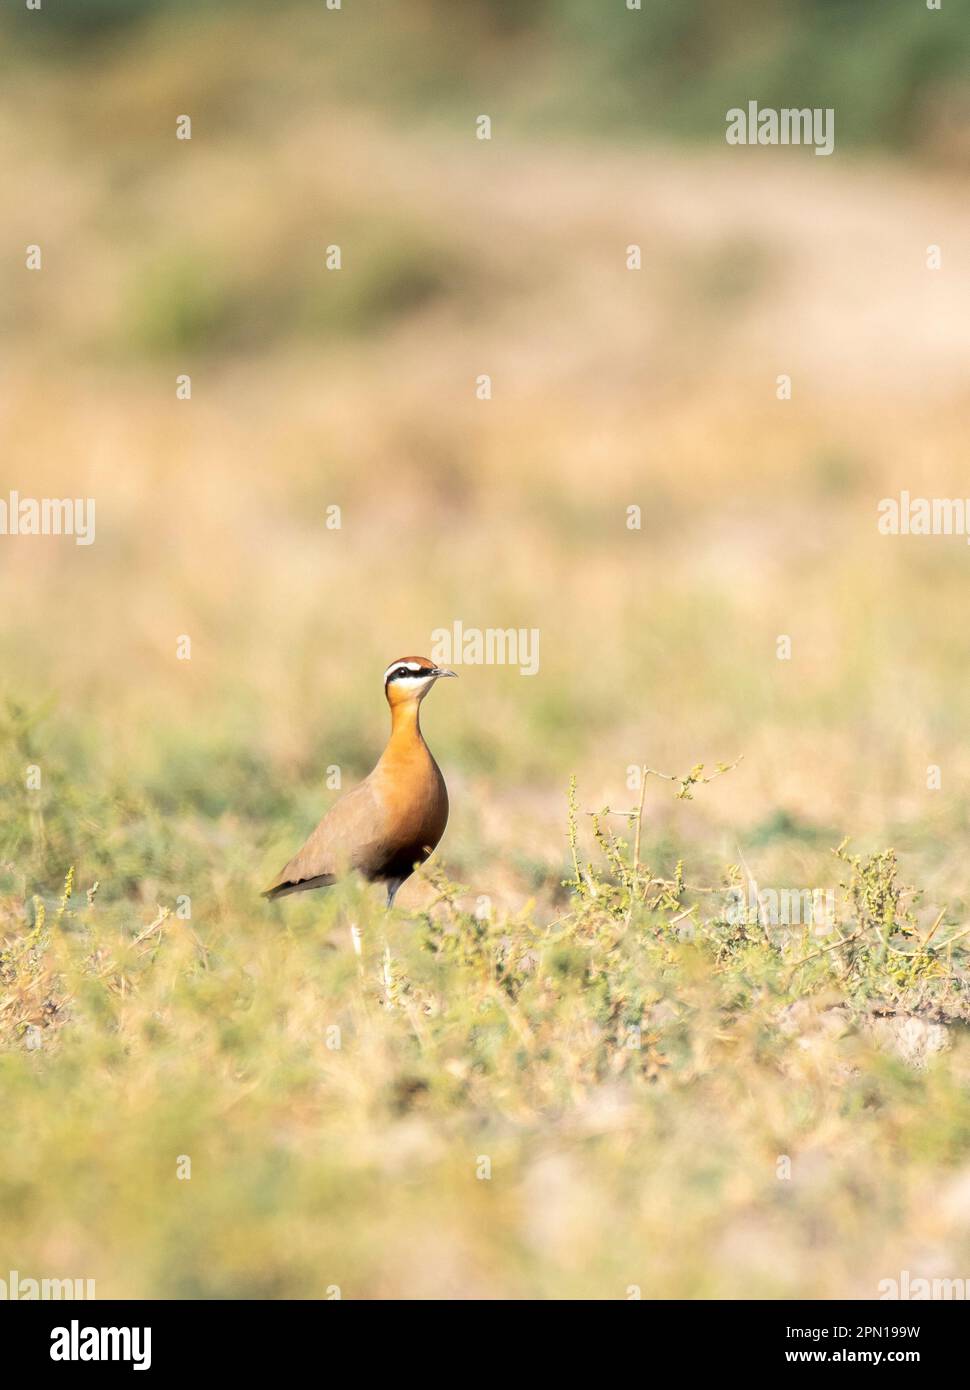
x,y
414,666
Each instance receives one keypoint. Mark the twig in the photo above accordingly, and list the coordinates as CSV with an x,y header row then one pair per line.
x,y
843,941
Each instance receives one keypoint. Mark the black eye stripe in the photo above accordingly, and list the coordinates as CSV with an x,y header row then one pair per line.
x,y
405,673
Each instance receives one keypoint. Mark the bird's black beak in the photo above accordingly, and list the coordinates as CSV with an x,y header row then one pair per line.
x,y
443,671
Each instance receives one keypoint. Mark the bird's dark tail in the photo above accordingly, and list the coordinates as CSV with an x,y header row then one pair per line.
x,y
281,890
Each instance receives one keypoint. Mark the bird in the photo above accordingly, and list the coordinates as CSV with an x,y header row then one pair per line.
x,y
396,817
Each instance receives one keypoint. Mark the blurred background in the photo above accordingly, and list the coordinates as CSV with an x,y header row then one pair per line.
x,y
612,388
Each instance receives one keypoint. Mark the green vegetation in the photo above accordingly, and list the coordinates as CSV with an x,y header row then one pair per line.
x,y
481,1103
895,71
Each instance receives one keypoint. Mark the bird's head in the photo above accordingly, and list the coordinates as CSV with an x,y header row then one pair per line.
x,y
410,678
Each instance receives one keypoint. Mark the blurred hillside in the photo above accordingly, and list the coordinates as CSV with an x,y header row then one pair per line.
x,y
895,71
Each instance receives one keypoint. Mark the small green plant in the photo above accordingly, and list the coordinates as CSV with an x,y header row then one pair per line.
x,y
878,954
627,884
885,954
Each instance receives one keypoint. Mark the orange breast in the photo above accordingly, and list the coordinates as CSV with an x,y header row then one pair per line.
x,y
415,801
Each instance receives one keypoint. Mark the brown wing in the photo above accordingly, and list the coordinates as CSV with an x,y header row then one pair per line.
x,y
350,836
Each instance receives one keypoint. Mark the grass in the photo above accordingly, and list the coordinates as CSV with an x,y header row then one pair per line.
x,y
480,1103
561,1066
